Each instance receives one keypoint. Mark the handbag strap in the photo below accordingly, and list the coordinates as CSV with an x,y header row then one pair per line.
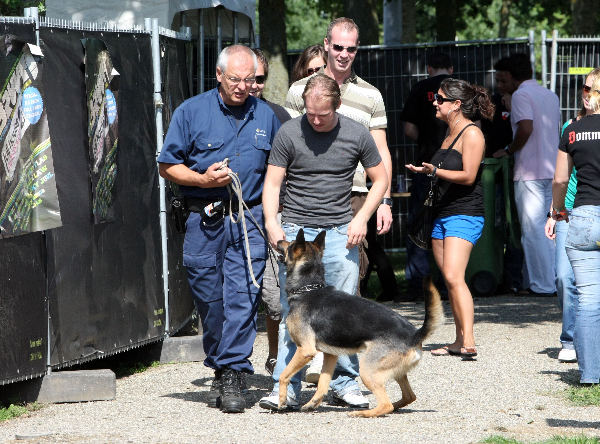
x,y
435,179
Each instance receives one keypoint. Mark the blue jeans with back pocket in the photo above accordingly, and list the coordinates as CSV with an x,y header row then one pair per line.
x,y
583,249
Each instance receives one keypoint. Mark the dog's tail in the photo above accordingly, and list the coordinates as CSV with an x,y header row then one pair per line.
x,y
434,313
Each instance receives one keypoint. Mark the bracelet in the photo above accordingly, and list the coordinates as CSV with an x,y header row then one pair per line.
x,y
433,172
562,213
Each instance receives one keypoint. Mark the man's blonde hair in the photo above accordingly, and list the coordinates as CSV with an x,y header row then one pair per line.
x,y
346,23
326,87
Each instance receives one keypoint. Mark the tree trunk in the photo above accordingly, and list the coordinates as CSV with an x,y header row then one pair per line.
x,y
504,18
409,21
273,42
364,13
584,16
445,19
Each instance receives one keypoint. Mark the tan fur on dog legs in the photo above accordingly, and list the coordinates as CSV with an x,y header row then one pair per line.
x,y
375,382
299,360
329,362
407,394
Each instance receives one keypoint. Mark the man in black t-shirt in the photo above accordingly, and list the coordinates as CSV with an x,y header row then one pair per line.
x,y
421,125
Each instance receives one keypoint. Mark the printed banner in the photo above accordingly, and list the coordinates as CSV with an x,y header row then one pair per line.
x,y
103,126
28,198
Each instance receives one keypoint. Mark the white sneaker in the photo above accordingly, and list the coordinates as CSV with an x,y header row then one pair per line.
x,y
271,402
567,355
314,369
353,398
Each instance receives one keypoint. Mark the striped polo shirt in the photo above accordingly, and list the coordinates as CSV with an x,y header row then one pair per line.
x,y
361,102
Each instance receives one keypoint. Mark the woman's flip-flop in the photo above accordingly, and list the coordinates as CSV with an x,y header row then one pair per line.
x,y
466,353
441,351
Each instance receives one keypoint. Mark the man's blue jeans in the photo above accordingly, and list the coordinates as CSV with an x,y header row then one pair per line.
x,y
565,286
583,249
341,271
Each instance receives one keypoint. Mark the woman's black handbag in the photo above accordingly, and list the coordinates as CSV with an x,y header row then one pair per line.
x,y
420,230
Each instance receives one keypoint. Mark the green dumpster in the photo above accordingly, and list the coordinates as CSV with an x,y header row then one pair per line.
x,y
486,264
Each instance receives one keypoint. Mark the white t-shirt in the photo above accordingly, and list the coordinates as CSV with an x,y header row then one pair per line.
x,y
537,159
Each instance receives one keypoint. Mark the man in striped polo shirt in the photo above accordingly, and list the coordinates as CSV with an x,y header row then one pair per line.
x,y
363,103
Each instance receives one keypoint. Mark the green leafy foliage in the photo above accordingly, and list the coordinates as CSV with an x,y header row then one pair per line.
x,y
15,7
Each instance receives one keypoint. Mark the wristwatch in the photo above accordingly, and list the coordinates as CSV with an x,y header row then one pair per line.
x,y
387,201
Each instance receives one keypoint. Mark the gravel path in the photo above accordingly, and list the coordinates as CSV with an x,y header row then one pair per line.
x,y
516,389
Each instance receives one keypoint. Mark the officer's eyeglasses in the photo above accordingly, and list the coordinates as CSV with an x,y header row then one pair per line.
x,y
340,48
441,99
236,81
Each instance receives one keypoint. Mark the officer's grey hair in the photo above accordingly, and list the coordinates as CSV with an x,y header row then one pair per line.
x,y
234,49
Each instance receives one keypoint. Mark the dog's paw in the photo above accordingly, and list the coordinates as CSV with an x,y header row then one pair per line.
x,y
309,407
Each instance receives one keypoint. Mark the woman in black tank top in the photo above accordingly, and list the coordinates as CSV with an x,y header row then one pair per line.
x,y
458,210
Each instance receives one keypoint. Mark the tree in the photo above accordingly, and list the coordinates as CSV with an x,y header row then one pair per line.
x,y
274,44
16,7
584,16
445,19
364,13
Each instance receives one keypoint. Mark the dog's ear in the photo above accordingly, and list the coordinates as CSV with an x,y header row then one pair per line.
x,y
319,241
299,245
282,246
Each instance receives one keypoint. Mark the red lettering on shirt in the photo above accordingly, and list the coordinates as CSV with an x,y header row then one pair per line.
x,y
430,96
572,137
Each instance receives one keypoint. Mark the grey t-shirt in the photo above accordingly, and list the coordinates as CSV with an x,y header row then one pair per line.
x,y
319,169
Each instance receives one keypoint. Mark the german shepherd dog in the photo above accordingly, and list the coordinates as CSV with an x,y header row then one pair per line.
x,y
325,319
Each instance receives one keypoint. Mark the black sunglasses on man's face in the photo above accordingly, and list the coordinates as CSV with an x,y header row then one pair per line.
x,y
340,48
440,99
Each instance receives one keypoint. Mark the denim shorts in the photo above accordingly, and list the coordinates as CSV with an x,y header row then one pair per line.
x,y
464,227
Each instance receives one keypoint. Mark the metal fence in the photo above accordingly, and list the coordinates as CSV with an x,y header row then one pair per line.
x,y
570,60
394,70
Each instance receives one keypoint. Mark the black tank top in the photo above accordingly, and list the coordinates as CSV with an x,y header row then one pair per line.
x,y
452,198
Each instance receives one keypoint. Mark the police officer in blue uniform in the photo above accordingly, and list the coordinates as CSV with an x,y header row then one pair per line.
x,y
223,123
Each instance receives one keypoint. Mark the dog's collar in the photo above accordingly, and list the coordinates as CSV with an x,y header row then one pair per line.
x,y
306,288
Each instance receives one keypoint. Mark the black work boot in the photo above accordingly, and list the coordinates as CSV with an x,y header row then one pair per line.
x,y
215,389
231,399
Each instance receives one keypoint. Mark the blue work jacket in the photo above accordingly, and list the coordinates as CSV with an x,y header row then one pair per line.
x,y
203,131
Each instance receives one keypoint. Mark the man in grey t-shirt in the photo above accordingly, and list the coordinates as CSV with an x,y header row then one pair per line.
x,y
318,154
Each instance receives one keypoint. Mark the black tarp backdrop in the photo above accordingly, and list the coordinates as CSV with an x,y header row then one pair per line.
x,y
175,90
105,286
23,314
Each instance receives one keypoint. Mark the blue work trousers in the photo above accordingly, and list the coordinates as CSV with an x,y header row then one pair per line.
x,y
215,257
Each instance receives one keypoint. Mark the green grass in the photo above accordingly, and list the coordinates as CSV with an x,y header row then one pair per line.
x,y
14,411
584,396
554,440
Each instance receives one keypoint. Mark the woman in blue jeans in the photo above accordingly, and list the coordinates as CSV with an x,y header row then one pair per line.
x,y
579,148
565,279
